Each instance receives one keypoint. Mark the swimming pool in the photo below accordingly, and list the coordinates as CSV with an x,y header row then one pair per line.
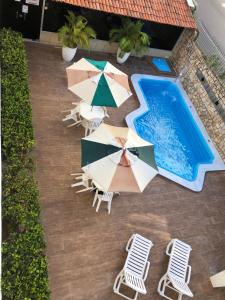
x,y
167,119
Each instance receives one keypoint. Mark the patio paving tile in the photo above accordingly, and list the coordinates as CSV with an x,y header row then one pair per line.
x,y
86,250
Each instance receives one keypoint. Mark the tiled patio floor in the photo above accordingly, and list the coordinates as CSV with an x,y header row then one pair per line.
x,y
86,249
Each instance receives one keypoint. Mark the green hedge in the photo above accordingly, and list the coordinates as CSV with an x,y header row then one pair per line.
x,y
24,264
17,131
20,196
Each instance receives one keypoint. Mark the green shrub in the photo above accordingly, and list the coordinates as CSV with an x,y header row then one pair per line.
x,y
17,131
130,36
76,32
24,265
20,197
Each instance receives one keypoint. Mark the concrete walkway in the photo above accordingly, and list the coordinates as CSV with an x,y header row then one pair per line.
x,y
212,15
86,249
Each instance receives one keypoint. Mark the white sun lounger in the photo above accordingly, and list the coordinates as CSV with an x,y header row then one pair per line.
x,y
178,273
135,270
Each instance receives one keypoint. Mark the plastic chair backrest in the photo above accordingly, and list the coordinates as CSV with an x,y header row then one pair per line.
x,y
107,196
94,123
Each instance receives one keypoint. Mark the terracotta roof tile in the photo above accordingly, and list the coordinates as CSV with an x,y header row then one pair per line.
x,y
172,12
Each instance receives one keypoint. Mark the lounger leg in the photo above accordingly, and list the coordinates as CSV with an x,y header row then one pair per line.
x,y
76,174
67,118
84,190
63,111
116,287
135,297
165,283
109,206
71,125
99,203
180,296
95,198
77,184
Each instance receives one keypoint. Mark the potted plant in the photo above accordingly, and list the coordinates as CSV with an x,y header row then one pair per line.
x,y
74,33
130,38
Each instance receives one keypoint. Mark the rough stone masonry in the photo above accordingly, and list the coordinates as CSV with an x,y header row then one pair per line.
x,y
204,88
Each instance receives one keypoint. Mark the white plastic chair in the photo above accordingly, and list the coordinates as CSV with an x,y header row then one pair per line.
x,y
178,272
73,115
106,197
85,181
90,125
135,270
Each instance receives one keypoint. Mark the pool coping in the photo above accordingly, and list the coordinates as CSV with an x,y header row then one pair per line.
x,y
216,165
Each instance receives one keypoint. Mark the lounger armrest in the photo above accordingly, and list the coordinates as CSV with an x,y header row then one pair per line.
x,y
168,248
129,243
146,270
188,274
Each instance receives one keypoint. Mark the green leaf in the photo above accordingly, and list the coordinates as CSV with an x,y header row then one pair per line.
x,y
130,36
76,32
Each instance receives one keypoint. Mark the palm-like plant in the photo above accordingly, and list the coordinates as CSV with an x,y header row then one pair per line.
x,y
76,32
130,37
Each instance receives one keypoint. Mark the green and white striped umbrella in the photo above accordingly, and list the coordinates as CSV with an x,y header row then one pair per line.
x,y
98,83
117,159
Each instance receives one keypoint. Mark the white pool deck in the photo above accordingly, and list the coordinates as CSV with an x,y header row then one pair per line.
x,y
216,165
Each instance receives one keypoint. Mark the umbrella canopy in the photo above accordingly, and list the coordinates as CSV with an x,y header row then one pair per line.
x,y
117,159
98,83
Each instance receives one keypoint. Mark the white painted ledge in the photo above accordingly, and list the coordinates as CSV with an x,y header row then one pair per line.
x,y
51,38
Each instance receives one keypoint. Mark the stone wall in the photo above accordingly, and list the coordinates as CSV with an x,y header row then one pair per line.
x,y
205,90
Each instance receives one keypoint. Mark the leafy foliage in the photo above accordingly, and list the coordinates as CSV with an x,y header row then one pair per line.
x,y
17,132
76,32
20,196
130,37
24,265
213,62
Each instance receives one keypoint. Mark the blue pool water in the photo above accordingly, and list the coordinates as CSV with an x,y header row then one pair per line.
x,y
161,64
168,124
